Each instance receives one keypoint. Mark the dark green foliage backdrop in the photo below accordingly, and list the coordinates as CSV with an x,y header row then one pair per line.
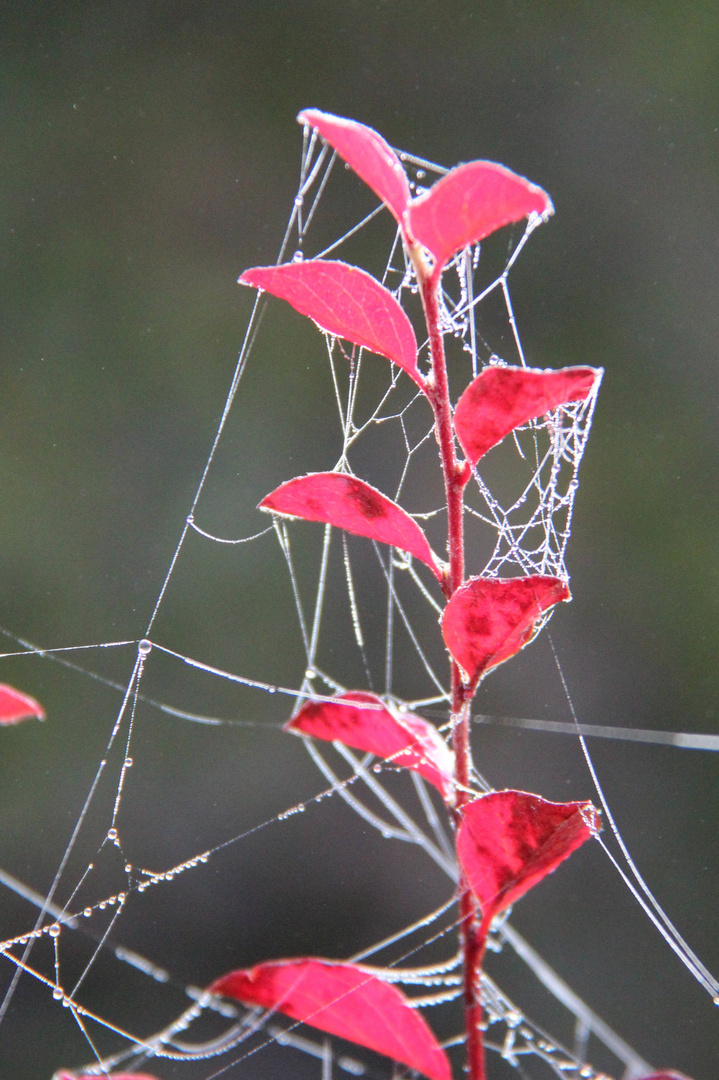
x,y
149,154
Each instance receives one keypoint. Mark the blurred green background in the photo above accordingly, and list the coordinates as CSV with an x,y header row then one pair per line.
x,y
149,154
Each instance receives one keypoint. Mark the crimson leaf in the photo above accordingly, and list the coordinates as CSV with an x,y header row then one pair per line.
x,y
666,1076
509,840
501,399
351,504
402,738
487,620
345,301
346,1000
368,154
16,706
469,203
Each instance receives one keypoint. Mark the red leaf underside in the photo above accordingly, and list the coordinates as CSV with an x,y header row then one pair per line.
x,y
666,1076
405,740
501,399
16,706
345,301
509,840
468,204
345,1000
353,505
371,157
488,620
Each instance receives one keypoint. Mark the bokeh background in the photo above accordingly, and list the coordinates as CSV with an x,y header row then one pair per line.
x,y
149,154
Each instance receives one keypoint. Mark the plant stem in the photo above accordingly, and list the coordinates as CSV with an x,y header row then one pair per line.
x,y
472,941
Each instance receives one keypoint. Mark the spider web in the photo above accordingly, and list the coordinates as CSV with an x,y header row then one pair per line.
x,y
518,522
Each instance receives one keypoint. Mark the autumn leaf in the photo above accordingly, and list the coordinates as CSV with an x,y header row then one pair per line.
x,y
16,706
403,739
347,302
351,504
346,1000
488,620
501,399
509,840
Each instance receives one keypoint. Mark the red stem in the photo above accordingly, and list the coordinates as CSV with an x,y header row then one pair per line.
x,y
472,939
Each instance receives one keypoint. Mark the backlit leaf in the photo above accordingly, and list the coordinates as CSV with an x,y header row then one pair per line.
x,y
487,620
16,706
345,301
501,399
367,153
509,840
666,1076
401,737
346,1000
469,203
351,504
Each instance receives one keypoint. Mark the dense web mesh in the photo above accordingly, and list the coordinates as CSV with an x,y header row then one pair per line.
x,y
518,522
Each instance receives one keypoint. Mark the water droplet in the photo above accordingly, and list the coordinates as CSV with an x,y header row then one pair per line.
x,y
310,673
122,897
301,808
102,905
204,858
190,519
112,834
54,930
128,868
271,689
299,200
87,912
128,762
298,256
420,174
377,768
144,647
65,1003
57,993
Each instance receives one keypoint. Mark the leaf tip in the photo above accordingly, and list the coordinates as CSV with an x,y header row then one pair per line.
x,y
16,706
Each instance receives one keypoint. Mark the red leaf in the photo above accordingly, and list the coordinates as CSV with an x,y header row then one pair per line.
x,y
404,739
369,155
487,620
346,1000
16,706
666,1076
509,840
501,399
351,504
345,301
469,203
